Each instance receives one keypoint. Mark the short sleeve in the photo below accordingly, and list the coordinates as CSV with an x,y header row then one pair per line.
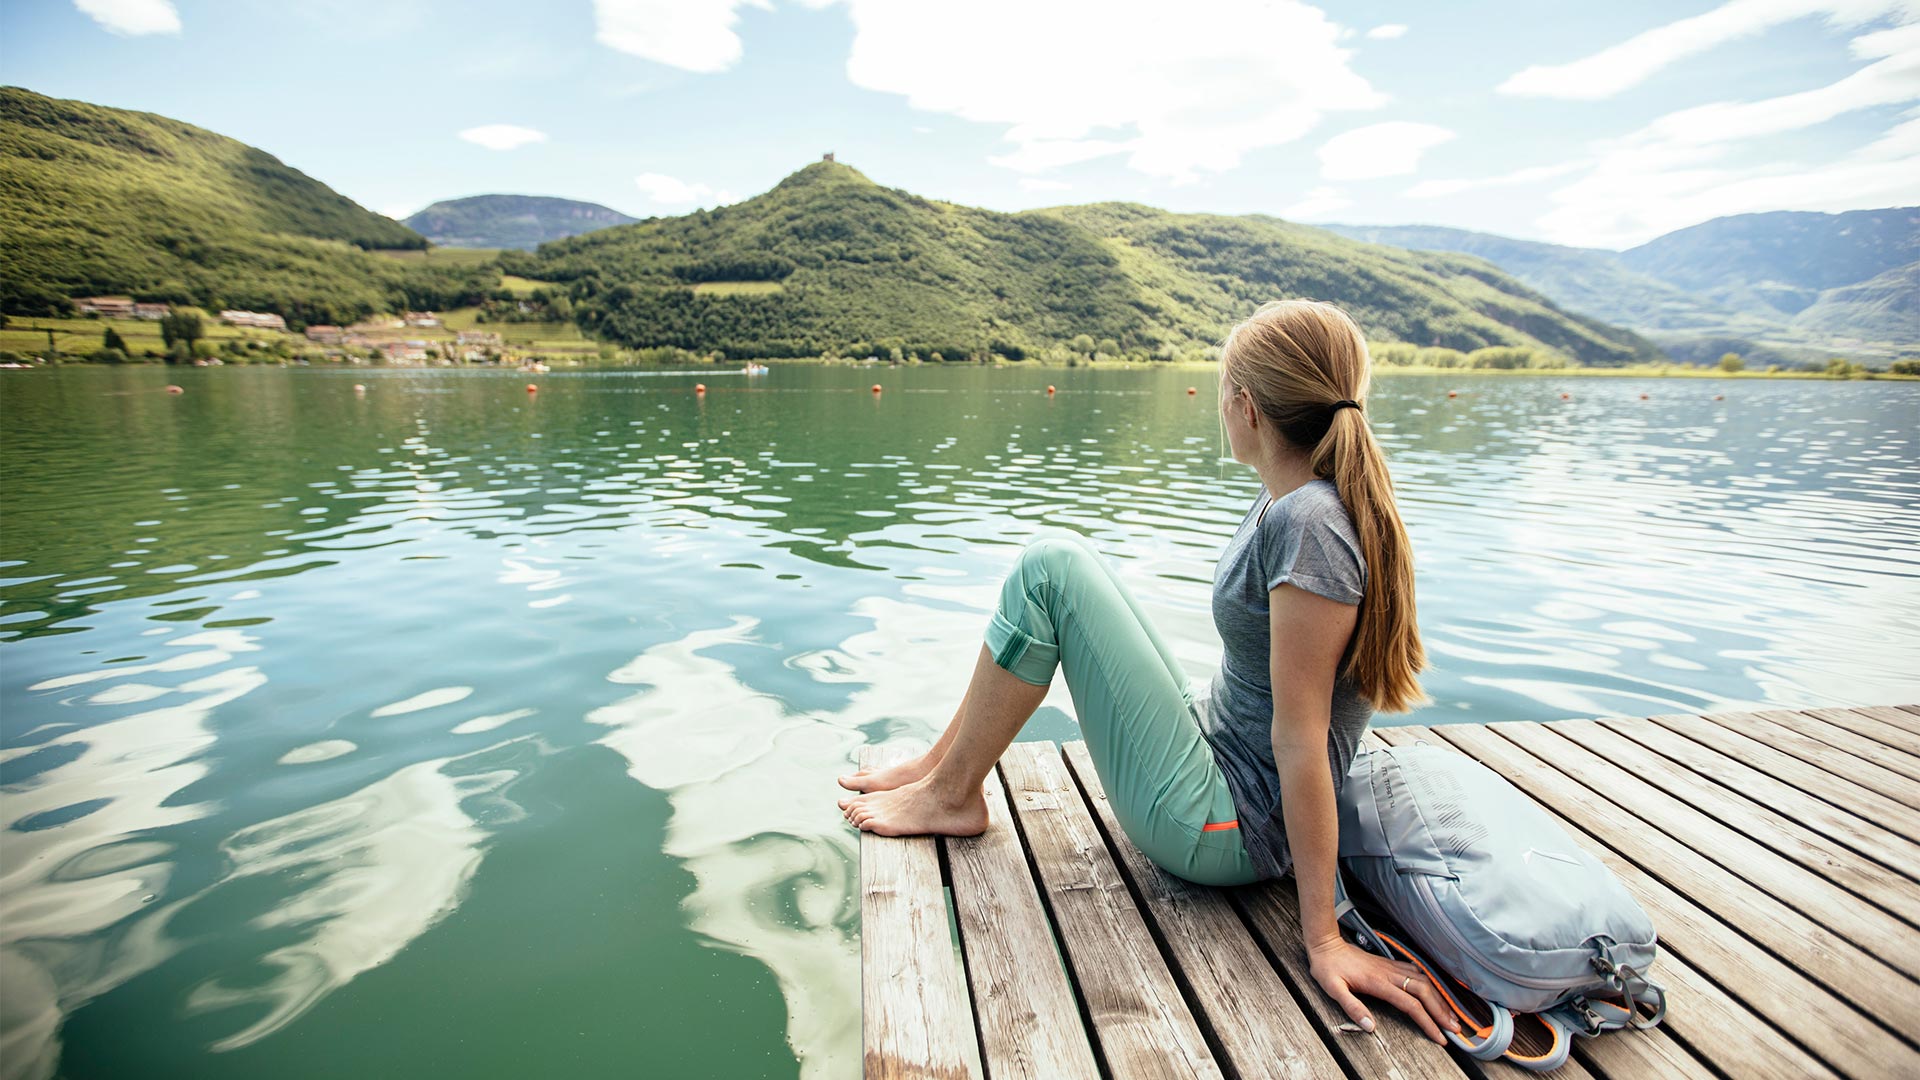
x,y
1313,548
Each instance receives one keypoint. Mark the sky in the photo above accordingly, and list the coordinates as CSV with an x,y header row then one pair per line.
x,y
1597,125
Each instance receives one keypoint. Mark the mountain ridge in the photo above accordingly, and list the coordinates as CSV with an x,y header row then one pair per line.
x,y
510,221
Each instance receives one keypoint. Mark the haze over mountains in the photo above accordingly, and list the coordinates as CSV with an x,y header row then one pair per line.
x,y
1791,283
510,221
109,201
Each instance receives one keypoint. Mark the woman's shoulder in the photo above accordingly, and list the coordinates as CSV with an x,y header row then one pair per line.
x,y
1316,502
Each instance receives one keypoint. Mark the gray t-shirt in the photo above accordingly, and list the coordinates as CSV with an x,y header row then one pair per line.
x,y
1305,539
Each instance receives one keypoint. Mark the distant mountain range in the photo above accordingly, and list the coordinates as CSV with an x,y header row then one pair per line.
x,y
107,201
1787,285
510,221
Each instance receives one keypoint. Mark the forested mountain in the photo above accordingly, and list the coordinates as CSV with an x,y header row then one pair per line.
x,y
830,261
1784,285
510,221
98,200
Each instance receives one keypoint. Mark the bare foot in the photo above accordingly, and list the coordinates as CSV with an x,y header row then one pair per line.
x,y
916,810
886,779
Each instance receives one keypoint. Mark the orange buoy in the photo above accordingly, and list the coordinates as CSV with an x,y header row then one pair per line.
x,y
1049,389
1643,397
699,388
1453,393
532,389
1719,397
876,388
1191,391
172,389
359,388
1566,397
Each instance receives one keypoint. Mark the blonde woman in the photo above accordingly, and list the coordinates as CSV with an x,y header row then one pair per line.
x,y
1313,598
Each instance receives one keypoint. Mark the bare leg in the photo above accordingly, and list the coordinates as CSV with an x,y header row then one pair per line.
x,y
948,801
906,772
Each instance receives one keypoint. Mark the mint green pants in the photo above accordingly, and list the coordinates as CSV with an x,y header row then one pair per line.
x,y
1062,606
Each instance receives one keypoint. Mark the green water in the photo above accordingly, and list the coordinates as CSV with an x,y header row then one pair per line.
x,y
443,729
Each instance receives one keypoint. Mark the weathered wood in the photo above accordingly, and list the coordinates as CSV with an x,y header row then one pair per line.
x,y
1876,840
1848,869
1028,1020
1838,761
1778,854
916,1020
1141,1023
1261,1029
1865,722
1860,746
1819,899
1844,793
1702,1014
1856,977
1897,715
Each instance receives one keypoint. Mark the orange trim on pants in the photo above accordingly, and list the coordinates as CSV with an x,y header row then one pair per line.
x,y
1215,826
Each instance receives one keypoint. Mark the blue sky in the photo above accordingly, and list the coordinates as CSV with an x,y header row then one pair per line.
x,y
1598,124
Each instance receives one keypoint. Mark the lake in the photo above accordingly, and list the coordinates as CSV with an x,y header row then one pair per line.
x,y
444,729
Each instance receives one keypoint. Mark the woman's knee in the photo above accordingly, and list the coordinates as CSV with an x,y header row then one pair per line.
x,y
1056,552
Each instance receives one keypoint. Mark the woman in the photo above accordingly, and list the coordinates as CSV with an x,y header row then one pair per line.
x,y
1313,598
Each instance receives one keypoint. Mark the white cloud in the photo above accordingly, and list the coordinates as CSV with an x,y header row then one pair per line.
x,y
1389,149
502,136
1673,172
1034,183
1178,96
695,35
1622,66
1434,189
672,191
1387,32
1321,200
132,17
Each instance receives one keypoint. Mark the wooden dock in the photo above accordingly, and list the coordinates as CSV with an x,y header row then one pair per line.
x,y
1777,852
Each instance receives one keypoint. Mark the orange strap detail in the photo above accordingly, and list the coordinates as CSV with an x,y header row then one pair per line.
x,y
1216,826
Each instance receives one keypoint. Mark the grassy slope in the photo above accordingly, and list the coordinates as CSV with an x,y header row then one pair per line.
x,y
100,200
861,267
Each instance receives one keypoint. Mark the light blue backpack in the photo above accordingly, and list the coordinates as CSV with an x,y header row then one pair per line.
x,y
1497,900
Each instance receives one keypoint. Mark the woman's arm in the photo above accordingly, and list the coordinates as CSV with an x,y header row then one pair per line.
x,y
1310,633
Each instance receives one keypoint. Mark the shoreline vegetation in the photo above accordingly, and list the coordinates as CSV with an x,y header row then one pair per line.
x,y
24,343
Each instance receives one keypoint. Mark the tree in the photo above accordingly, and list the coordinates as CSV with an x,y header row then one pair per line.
x,y
1732,362
1083,344
181,328
112,340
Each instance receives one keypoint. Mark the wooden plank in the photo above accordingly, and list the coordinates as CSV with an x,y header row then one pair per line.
x,y
1024,1008
1861,835
1804,890
915,1017
1701,1013
1141,1023
1896,715
1811,750
1395,1048
1840,738
1849,870
1914,709
1863,802
1862,723
1260,1028
1856,977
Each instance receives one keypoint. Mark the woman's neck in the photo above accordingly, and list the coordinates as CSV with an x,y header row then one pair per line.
x,y
1282,471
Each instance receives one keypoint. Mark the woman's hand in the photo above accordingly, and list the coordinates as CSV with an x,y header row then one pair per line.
x,y
1343,970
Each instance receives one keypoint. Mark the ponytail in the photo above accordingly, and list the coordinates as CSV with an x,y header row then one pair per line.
x,y
1304,362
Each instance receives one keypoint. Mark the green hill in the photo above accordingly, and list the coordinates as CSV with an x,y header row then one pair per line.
x,y
1885,307
829,261
106,201
510,221
1783,260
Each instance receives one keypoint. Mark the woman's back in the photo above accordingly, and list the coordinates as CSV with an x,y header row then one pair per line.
x,y
1306,539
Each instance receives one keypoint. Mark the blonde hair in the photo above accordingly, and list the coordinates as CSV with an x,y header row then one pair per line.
x,y
1297,358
